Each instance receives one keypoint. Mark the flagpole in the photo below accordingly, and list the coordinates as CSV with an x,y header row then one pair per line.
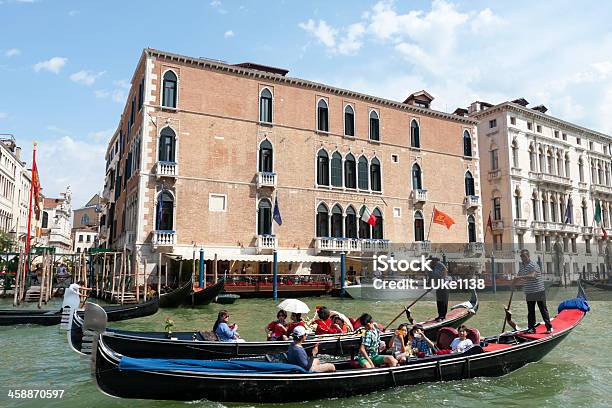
x,y
430,222
27,265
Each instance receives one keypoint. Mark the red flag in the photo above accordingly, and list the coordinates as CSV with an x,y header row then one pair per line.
x,y
443,219
490,223
604,233
368,217
35,187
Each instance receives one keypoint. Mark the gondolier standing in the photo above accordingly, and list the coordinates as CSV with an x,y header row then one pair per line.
x,y
531,277
439,272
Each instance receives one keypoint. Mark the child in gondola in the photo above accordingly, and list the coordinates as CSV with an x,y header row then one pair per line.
x,y
324,323
368,350
277,330
397,344
419,343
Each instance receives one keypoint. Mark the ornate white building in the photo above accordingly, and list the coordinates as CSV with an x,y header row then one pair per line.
x,y
533,166
56,225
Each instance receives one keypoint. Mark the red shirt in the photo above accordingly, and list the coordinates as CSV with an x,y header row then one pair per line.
x,y
325,327
293,326
276,329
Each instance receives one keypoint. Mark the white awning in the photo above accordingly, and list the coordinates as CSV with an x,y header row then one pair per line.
x,y
230,254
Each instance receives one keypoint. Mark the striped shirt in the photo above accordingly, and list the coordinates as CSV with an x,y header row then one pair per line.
x,y
532,285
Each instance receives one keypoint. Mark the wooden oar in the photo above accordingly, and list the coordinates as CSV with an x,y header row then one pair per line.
x,y
507,312
406,309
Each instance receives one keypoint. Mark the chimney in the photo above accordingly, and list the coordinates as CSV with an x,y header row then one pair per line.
x,y
18,153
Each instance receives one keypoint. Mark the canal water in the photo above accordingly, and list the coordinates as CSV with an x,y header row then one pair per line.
x,y
578,373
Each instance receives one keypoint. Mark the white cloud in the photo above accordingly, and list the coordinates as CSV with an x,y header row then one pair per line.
x,y
101,135
228,34
12,52
351,42
73,13
216,4
321,31
3,115
122,83
53,65
86,77
117,95
485,19
346,41
101,93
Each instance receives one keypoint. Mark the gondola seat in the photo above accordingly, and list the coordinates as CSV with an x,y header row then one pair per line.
x,y
474,335
446,335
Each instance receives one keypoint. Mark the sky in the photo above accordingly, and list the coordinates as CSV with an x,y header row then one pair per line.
x,y
67,64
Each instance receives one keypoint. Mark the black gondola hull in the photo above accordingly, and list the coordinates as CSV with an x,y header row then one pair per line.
x,y
176,297
205,296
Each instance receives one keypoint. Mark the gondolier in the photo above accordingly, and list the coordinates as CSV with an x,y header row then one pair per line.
x,y
440,272
530,275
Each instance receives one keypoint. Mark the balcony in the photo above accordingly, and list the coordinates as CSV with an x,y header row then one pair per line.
x,y
582,185
520,223
586,230
516,171
498,225
421,247
164,238
166,169
419,195
266,242
266,179
350,245
475,248
600,188
551,179
494,174
472,202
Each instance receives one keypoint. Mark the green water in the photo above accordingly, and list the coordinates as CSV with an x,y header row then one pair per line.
x,y
578,373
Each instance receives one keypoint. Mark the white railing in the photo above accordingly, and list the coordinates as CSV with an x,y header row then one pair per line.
x,y
267,242
586,230
551,178
350,245
164,238
421,246
166,169
493,174
520,223
419,195
600,188
472,201
516,171
475,247
266,179
498,224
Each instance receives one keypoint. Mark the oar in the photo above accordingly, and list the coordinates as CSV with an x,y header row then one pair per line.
x,y
406,309
508,309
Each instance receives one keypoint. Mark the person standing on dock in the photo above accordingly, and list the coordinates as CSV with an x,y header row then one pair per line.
x,y
530,275
440,273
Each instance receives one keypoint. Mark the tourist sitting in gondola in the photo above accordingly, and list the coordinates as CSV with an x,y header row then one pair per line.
x,y
224,331
324,323
461,343
277,330
297,355
337,321
420,345
296,320
368,350
397,344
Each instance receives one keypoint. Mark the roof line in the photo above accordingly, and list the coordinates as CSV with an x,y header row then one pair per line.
x,y
305,83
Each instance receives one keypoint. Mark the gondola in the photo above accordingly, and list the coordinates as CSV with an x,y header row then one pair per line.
x,y
52,317
261,381
176,297
596,284
194,345
205,296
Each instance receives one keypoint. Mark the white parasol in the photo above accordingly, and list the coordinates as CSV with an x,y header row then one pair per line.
x,y
293,306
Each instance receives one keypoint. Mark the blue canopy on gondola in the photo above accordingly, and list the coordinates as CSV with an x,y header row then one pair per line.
x,y
207,366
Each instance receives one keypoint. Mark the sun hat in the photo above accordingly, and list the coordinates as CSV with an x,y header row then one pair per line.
x,y
299,331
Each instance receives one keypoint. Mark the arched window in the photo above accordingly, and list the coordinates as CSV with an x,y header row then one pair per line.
x,y
567,166
364,227
85,219
350,223
535,205
553,208
167,139
560,165
581,169
542,161
497,209
585,220
165,211
544,207
415,137
336,170
265,157
264,217
374,126
377,229
169,90
416,177
349,121
265,106
322,168
336,221
375,179
515,158
467,144
471,229
322,116
551,163
322,221
517,203
532,159
350,171
419,227
469,184
363,173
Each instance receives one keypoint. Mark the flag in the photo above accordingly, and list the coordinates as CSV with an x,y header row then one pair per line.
x,y
569,210
490,223
441,218
598,219
36,188
366,216
277,215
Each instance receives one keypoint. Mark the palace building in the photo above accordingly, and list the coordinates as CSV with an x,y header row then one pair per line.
x,y
542,181
207,152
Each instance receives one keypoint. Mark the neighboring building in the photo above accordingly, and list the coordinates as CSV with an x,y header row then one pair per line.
x,y
85,224
533,166
56,231
204,149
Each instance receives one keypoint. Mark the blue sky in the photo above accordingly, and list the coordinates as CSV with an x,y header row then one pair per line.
x,y
68,63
